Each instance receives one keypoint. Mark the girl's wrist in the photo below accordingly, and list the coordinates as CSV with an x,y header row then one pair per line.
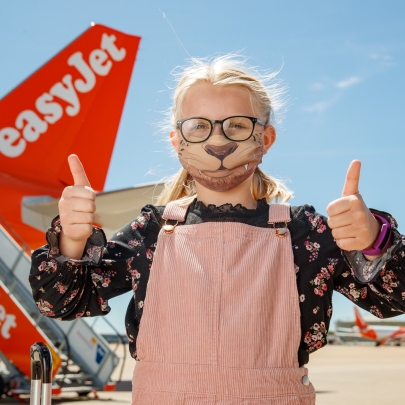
x,y
71,248
383,240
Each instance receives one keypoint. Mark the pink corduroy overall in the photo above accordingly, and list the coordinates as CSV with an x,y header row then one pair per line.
x,y
221,318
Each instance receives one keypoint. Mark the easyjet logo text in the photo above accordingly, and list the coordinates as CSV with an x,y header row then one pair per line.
x,y
30,124
7,321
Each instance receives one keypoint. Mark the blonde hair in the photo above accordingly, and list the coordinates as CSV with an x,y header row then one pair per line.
x,y
228,70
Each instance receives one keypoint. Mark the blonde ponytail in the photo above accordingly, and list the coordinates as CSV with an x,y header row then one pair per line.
x,y
181,187
264,186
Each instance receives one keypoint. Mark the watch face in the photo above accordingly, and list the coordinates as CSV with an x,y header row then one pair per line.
x,y
224,164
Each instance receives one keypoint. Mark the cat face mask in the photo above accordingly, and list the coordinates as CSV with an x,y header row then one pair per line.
x,y
220,164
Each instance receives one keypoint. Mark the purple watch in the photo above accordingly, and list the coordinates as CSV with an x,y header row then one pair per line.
x,y
382,240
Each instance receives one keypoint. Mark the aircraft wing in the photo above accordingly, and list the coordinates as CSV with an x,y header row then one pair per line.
x,y
347,333
347,330
114,208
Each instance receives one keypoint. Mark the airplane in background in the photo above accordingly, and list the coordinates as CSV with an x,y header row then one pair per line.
x,y
72,104
380,334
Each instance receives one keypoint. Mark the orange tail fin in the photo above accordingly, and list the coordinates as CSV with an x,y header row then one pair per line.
x,y
362,325
365,329
72,104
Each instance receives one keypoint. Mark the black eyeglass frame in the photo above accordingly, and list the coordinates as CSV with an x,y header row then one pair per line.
x,y
213,122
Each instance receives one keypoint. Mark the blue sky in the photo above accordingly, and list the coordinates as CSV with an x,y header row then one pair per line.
x,y
342,62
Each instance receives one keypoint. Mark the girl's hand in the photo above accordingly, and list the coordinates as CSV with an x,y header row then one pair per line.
x,y
353,225
77,209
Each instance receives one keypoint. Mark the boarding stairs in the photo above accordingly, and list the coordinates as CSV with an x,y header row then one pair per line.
x,y
84,359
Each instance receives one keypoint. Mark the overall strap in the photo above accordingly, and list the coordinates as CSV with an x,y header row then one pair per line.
x,y
279,213
175,212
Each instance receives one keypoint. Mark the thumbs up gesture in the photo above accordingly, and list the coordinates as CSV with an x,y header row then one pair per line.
x,y
77,209
353,225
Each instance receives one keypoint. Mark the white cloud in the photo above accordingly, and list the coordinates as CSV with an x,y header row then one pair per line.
x,y
351,81
384,59
380,56
322,106
319,107
317,86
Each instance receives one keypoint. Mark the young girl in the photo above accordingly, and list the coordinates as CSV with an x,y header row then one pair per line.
x,y
231,293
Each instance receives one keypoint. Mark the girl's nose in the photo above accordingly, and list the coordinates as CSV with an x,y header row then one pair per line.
x,y
216,129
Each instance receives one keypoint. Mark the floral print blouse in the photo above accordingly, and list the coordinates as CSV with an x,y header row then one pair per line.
x,y
67,289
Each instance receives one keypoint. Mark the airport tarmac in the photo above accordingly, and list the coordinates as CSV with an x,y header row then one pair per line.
x,y
355,374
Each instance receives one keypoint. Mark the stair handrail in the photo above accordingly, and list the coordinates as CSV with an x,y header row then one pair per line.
x,y
26,249
121,341
17,238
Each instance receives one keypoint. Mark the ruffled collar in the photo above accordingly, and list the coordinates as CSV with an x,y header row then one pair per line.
x,y
229,209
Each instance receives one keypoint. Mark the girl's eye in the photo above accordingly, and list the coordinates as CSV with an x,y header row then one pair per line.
x,y
194,125
237,125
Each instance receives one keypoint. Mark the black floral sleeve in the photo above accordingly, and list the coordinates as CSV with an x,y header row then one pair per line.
x,y
317,260
322,267
67,289
377,286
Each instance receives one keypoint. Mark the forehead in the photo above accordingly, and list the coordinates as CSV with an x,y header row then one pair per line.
x,y
217,102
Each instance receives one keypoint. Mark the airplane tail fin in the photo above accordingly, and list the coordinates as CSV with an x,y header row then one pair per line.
x,y
365,329
72,104
360,323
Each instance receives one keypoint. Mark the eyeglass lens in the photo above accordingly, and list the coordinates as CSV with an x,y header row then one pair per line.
x,y
235,128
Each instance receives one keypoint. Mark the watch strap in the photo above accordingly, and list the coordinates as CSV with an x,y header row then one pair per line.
x,y
383,238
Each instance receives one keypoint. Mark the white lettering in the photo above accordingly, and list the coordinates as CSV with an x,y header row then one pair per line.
x,y
107,43
52,111
67,93
7,325
8,136
77,61
12,144
9,322
97,58
32,126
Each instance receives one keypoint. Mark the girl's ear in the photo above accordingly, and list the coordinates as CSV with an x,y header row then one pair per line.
x,y
269,137
174,139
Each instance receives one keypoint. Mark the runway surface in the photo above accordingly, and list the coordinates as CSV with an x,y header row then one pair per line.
x,y
341,375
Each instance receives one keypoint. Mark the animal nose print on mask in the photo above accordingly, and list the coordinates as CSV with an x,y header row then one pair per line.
x,y
202,159
221,152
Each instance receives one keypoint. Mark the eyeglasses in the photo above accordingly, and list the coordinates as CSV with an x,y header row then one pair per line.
x,y
239,128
